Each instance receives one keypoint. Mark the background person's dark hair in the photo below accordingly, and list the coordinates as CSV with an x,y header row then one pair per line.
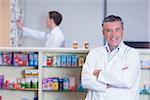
x,y
56,16
112,18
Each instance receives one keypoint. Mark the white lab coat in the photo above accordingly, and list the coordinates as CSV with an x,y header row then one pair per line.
x,y
54,38
122,72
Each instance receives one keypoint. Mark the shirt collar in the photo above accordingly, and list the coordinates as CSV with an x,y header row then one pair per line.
x,y
108,48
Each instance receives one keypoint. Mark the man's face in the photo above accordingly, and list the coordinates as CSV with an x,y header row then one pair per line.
x,y
113,33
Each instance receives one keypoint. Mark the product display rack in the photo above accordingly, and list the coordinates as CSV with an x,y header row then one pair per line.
x,y
145,74
12,72
16,12
59,71
62,70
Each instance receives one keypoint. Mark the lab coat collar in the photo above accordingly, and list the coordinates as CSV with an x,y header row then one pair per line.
x,y
118,47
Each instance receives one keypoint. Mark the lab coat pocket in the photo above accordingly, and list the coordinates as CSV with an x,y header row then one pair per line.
x,y
114,66
118,64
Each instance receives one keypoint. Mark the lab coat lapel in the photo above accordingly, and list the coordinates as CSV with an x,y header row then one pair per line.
x,y
102,61
115,60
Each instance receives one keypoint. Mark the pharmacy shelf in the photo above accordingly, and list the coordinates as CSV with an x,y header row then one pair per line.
x,y
145,74
45,50
144,51
146,67
145,94
12,73
62,67
25,89
41,52
63,91
61,71
46,71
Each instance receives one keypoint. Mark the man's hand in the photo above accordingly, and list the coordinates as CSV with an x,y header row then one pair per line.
x,y
19,24
96,72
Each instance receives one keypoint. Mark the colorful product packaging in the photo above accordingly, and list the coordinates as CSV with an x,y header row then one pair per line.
x,y
1,80
34,82
44,60
49,60
55,84
31,59
23,59
7,58
81,60
74,60
57,60
1,58
72,83
35,59
66,84
61,87
68,61
63,60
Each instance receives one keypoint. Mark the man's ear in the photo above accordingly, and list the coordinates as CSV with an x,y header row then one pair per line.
x,y
52,20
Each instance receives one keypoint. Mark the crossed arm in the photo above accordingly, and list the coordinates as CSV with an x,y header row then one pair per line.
x,y
123,78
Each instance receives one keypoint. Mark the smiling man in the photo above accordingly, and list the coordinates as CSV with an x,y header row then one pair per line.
x,y
112,72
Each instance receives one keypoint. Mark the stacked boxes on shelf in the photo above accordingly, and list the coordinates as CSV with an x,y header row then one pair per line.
x,y
30,81
64,60
19,58
61,84
31,78
145,63
144,89
1,81
16,8
10,58
70,60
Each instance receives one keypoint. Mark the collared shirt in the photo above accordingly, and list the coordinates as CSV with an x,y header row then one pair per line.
x,y
53,38
112,53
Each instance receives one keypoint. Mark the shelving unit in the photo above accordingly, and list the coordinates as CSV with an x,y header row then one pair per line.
x,y
63,71
10,11
45,71
12,72
145,74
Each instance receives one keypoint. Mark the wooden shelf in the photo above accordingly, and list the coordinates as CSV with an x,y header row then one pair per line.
x,y
62,91
146,67
60,67
144,93
25,89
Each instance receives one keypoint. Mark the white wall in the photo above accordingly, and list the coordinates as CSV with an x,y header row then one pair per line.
x,y
81,19
136,16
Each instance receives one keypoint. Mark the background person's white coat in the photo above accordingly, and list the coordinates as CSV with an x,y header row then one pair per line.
x,y
54,38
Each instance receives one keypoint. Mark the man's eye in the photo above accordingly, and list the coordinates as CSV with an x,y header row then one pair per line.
x,y
108,30
117,30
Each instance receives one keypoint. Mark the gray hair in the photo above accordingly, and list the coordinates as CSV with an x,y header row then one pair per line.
x,y
112,18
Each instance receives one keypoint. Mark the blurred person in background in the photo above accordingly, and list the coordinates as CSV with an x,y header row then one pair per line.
x,y
53,38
